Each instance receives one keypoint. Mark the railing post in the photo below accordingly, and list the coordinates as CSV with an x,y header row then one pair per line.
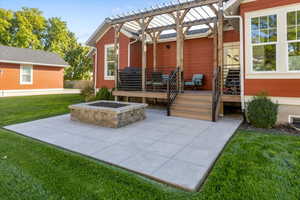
x,y
168,97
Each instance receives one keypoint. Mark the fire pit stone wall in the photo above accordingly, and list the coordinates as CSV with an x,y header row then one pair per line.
x,y
108,113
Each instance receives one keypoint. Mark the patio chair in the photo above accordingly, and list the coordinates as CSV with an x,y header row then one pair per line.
x,y
157,80
130,79
197,81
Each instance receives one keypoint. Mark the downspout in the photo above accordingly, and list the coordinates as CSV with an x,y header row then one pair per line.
x,y
129,50
96,69
241,56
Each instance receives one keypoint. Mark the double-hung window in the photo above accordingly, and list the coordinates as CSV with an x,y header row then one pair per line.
x,y
264,43
293,37
110,62
26,75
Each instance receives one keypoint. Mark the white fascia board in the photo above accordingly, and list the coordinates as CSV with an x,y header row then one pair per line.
x,y
32,63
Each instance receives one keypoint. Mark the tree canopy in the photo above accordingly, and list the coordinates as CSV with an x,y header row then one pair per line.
x,y
28,28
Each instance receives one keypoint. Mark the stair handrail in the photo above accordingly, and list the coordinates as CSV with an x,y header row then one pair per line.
x,y
216,98
172,89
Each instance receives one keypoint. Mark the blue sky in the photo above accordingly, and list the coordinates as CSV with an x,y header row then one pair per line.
x,y
82,16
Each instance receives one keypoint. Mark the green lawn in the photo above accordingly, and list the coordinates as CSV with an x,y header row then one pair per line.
x,y
253,166
21,109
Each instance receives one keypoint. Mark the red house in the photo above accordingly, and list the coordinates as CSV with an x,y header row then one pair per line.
x,y
26,71
201,55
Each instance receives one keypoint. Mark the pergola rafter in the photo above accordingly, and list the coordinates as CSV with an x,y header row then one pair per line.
x,y
163,10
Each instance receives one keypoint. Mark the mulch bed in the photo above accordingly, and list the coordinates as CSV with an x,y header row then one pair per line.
x,y
285,129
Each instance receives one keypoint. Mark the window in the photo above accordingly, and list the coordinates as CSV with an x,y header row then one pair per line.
x,y
110,62
264,41
293,37
26,75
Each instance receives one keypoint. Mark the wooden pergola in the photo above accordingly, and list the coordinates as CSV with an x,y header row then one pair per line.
x,y
179,16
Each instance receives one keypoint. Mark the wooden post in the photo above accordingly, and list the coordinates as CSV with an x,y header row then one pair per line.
x,y
155,36
117,28
220,49
179,18
144,23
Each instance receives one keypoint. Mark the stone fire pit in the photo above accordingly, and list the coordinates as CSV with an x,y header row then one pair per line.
x,y
110,114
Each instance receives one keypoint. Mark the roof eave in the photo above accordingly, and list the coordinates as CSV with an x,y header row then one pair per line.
x,y
34,63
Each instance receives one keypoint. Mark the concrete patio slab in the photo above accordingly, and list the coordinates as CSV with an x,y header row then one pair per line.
x,y
173,150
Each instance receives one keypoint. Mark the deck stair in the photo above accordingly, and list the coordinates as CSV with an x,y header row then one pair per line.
x,y
232,82
193,105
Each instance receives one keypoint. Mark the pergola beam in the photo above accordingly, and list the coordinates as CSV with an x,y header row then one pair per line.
x,y
185,24
164,10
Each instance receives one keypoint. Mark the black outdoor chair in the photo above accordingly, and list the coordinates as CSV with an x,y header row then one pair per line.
x,y
157,80
130,79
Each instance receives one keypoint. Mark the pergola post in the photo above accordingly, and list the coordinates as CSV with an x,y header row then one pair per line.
x,y
155,36
117,28
179,18
221,48
144,23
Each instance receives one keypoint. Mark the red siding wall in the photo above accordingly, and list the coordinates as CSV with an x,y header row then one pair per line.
x,y
198,56
274,87
136,54
264,4
43,77
108,38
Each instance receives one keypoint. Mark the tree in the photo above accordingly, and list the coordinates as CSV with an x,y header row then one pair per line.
x,y
6,17
80,65
58,38
29,28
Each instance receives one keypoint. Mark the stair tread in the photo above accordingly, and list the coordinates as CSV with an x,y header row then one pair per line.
x,y
208,106
193,115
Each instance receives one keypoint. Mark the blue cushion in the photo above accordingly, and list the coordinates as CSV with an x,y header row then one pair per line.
x,y
197,79
189,83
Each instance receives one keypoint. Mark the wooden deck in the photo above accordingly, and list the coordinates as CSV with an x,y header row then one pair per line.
x,y
163,95
143,94
231,98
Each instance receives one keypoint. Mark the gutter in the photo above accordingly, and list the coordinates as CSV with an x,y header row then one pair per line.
x,y
241,56
96,69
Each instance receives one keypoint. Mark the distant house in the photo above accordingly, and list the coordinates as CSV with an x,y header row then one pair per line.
x,y
23,70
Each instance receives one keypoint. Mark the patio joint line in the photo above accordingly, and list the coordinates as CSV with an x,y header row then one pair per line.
x,y
173,157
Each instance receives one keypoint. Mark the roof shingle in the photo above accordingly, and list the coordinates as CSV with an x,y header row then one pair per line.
x,y
30,56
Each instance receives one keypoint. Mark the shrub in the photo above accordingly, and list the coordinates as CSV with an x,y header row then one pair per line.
x,y
104,94
262,112
88,93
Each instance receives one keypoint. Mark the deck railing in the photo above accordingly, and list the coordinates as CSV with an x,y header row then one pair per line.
x,y
156,80
172,89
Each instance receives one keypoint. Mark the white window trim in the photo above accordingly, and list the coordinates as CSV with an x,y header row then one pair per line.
x,y
21,77
105,62
289,41
282,71
262,44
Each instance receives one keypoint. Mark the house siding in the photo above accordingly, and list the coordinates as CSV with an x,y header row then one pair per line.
x,y
44,77
198,56
108,38
283,87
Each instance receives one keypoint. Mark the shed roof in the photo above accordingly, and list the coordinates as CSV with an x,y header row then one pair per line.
x,y
30,56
